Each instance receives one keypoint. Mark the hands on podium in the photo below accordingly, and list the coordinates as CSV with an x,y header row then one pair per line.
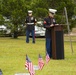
x,y
56,24
53,25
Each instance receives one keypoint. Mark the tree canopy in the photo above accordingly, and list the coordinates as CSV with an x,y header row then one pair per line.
x,y
16,10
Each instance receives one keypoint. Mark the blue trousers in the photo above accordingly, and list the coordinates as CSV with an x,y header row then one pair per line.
x,y
28,32
49,47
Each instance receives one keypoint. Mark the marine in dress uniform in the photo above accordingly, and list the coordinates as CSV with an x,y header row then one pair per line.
x,y
30,26
48,23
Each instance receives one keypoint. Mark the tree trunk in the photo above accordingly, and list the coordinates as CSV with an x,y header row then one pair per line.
x,y
15,32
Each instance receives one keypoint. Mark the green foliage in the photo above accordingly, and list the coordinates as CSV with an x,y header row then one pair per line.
x,y
40,12
16,10
73,23
1,20
60,19
75,10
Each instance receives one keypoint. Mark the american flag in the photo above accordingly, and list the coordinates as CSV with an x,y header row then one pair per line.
x,y
40,62
29,66
47,58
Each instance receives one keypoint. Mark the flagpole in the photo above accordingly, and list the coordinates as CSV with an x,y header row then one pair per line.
x,y
68,28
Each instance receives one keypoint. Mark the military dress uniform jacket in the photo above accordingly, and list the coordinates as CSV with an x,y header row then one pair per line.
x,y
47,22
30,23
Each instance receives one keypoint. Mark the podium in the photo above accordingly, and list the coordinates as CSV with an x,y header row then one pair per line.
x,y
57,42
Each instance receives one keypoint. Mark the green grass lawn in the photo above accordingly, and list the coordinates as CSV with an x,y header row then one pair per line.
x,y
13,51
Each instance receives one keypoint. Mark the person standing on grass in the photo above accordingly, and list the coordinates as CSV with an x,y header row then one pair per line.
x,y
48,23
30,26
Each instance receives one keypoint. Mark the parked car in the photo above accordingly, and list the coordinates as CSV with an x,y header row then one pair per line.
x,y
2,27
4,30
39,31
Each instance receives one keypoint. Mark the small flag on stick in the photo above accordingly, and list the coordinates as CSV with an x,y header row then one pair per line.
x,y
29,66
47,58
40,62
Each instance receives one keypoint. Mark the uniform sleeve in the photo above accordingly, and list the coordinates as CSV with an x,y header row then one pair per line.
x,y
45,23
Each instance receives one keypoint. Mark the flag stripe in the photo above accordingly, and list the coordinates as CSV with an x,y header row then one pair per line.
x,y
40,63
47,58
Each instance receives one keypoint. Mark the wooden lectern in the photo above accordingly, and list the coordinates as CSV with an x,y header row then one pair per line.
x,y
57,42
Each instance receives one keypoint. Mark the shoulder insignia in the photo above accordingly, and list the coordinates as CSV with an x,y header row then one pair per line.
x,y
44,22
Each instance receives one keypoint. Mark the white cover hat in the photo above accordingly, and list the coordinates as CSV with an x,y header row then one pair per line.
x,y
52,11
29,11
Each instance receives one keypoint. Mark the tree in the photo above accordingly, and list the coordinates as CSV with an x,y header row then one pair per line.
x,y
15,11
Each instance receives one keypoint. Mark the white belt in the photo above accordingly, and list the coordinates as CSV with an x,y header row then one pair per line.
x,y
30,23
